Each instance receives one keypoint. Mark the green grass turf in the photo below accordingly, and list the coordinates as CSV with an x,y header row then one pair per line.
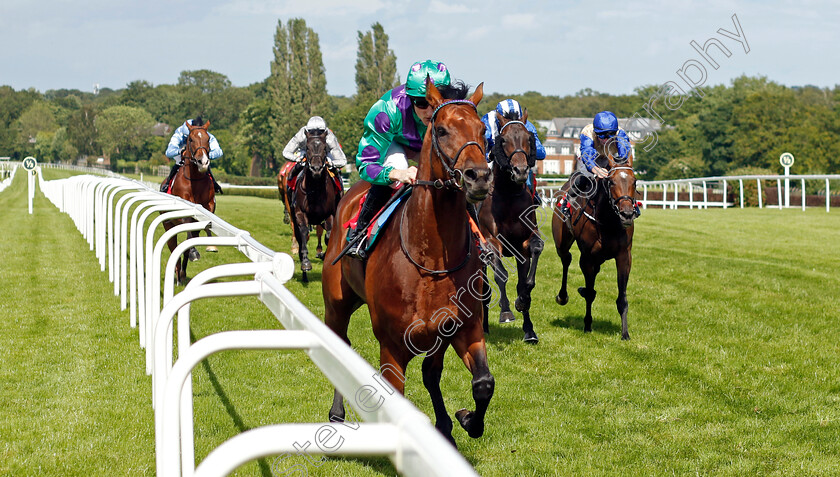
x,y
731,370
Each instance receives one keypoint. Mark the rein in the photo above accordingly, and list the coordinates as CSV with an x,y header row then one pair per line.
x,y
429,270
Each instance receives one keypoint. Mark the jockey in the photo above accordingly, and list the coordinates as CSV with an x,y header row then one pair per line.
x,y
510,109
296,147
594,141
176,147
393,133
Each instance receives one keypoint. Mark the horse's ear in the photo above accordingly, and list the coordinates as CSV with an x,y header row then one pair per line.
x,y
477,94
206,124
524,116
433,96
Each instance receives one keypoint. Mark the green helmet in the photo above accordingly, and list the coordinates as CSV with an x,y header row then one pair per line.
x,y
415,83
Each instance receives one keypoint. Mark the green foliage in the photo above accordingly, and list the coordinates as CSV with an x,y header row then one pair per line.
x,y
123,130
297,86
376,65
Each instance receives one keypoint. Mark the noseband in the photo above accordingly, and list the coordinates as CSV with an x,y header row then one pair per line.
x,y
456,177
614,202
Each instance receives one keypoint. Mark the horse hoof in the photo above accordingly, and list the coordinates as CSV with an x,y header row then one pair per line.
x,y
286,218
464,417
531,338
211,248
506,317
306,266
562,298
194,255
320,255
625,336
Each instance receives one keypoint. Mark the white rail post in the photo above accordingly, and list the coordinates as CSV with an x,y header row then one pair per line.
x,y
644,201
664,195
691,195
760,202
741,187
705,196
803,195
779,188
724,194
827,196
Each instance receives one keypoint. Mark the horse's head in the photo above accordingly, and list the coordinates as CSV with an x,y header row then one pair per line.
x,y
316,152
198,146
514,149
457,136
621,189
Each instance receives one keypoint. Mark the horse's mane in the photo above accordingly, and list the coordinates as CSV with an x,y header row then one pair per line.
x,y
457,89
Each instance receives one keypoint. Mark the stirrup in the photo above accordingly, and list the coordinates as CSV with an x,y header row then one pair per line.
x,y
358,250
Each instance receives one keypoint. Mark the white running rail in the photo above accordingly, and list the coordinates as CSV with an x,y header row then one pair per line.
x,y
111,213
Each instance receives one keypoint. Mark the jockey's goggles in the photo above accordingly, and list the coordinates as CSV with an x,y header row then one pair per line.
x,y
419,102
606,134
316,131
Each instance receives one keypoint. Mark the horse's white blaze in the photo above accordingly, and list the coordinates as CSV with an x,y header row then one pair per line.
x,y
623,175
199,134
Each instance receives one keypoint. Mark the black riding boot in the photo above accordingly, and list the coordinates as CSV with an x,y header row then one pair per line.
x,y
165,185
376,198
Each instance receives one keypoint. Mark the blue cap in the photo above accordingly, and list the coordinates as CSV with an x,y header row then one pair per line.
x,y
605,121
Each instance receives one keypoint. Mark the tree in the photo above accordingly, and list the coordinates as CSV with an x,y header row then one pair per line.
x,y
37,118
123,130
81,130
297,85
376,65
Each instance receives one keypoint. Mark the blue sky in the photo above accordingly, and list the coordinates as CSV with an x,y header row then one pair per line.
x,y
555,48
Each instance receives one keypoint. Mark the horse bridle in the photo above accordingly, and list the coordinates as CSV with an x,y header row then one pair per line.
x,y
323,161
614,202
518,150
192,156
456,177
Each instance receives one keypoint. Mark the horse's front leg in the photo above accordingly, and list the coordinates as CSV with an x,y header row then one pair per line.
x,y
302,232
562,243
469,344
622,265
319,251
527,272
500,274
432,371
590,270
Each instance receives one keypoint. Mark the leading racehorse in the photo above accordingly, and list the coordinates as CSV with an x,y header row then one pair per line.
x,y
419,282
507,218
602,225
192,182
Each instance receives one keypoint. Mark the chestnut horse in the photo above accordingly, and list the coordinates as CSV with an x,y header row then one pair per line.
x,y
192,182
507,219
415,281
315,199
602,226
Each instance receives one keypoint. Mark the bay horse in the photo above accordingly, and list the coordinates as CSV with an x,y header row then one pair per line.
x,y
415,281
508,220
603,230
315,200
193,183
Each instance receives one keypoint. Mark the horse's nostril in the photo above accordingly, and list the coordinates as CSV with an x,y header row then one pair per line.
x,y
471,174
